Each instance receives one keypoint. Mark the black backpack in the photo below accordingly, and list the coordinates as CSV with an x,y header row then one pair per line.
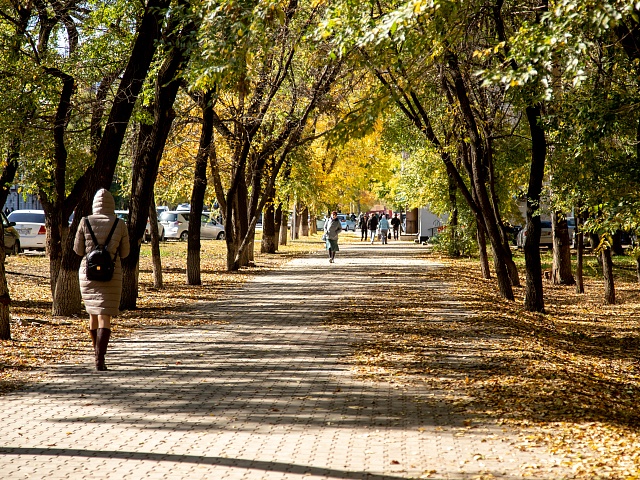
x,y
100,265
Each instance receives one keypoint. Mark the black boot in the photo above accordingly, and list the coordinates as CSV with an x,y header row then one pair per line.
x,y
101,348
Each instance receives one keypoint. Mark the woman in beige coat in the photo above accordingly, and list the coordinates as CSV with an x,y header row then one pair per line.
x,y
101,299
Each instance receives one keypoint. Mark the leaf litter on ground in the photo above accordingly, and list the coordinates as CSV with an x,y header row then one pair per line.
x,y
568,379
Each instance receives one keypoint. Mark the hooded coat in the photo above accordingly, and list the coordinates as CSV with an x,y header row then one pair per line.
x,y
102,298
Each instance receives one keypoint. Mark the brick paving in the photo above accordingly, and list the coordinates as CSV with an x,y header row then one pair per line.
x,y
261,393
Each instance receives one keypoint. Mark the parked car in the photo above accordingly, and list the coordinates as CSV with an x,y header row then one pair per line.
x,y
346,223
546,237
211,228
176,225
124,216
11,237
30,225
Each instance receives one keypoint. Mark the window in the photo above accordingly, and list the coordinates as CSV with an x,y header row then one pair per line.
x,y
25,217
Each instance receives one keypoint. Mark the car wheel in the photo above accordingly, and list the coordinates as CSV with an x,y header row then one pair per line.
x,y
220,236
16,248
184,235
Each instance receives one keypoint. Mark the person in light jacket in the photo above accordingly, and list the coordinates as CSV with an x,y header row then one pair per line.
x,y
384,228
332,228
101,299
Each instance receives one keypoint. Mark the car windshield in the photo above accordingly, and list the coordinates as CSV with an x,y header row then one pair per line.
x,y
26,217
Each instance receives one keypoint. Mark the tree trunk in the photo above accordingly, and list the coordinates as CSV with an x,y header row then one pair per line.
x,y
199,190
534,299
151,145
67,300
638,268
607,271
67,295
6,179
284,219
561,270
482,250
243,223
5,300
269,244
277,221
616,243
294,222
500,257
155,244
305,221
579,255
454,250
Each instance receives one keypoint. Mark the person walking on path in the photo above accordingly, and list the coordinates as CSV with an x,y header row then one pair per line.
x,y
372,225
332,228
362,224
101,298
384,228
395,223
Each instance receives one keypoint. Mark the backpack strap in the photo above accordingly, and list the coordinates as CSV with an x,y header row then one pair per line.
x,y
93,236
113,229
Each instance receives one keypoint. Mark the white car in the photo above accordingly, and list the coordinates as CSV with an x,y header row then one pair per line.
x,y
346,223
124,216
30,224
176,225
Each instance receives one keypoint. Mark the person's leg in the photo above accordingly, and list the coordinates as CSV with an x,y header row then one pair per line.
x,y
104,333
93,329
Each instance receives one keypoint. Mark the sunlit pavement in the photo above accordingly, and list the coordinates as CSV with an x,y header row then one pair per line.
x,y
262,393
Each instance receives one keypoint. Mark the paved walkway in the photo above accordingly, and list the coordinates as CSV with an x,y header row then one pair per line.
x,y
264,396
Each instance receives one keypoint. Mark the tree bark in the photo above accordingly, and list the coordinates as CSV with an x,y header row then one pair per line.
x,y
6,179
5,299
561,269
277,221
478,167
294,222
304,224
453,217
54,207
482,251
67,292
284,219
199,190
579,255
607,272
155,244
534,299
269,243
150,147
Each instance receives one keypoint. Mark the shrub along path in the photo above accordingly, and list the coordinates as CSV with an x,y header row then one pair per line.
x,y
264,391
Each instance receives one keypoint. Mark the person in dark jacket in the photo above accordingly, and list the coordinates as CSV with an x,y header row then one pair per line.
x,y
332,228
395,223
372,225
362,225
